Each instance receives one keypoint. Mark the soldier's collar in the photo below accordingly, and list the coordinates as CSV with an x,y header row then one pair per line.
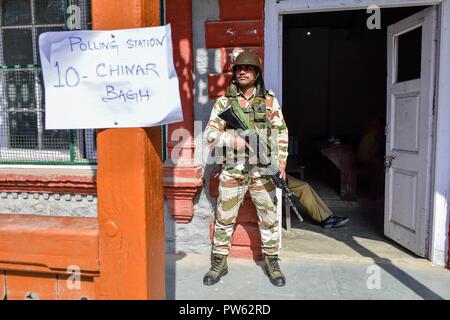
x,y
240,93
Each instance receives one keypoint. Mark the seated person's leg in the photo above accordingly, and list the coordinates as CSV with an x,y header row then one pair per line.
x,y
315,206
317,209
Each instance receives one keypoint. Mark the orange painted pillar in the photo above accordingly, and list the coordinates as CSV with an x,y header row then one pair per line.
x,y
130,185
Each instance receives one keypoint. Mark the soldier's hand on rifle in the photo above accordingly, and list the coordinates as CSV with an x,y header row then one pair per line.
x,y
238,143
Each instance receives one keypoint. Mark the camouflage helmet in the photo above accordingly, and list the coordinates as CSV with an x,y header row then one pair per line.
x,y
247,58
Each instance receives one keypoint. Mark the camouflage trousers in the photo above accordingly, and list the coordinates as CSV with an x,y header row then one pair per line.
x,y
234,183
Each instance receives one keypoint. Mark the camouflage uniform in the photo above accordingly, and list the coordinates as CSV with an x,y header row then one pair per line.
x,y
263,113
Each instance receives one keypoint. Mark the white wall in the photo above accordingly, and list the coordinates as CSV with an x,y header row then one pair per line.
x,y
440,223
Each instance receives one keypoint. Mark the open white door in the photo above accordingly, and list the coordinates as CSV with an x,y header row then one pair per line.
x,y
410,89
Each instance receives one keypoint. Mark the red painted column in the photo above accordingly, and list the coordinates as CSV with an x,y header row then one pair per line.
x,y
237,29
182,176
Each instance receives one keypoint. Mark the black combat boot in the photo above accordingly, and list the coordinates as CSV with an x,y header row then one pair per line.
x,y
273,270
334,222
218,269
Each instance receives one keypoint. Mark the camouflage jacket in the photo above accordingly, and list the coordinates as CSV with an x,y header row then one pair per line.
x,y
216,134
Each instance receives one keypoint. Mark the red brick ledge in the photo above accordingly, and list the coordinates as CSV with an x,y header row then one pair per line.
x,y
49,183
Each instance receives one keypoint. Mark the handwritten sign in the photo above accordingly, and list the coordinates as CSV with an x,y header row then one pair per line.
x,y
105,79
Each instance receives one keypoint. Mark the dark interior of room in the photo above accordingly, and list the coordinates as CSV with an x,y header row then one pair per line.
x,y
334,85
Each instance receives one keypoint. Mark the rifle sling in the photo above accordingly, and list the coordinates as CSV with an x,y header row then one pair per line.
x,y
237,108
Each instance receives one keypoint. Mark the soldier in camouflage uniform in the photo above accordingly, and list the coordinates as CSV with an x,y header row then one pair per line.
x,y
262,113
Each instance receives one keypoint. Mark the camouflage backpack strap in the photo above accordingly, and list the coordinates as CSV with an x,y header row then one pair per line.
x,y
269,104
260,113
262,107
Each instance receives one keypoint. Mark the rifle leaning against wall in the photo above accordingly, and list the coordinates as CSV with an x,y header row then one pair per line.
x,y
230,116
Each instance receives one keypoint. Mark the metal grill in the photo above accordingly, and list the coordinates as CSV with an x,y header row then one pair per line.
x,y
23,138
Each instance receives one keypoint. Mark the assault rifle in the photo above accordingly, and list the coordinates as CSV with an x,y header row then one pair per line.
x,y
230,116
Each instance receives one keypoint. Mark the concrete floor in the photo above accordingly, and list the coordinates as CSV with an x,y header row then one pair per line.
x,y
306,279
360,240
352,262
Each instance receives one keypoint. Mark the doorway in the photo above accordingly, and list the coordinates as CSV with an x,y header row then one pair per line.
x,y
334,102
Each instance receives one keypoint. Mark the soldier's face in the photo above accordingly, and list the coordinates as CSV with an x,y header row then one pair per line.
x,y
245,75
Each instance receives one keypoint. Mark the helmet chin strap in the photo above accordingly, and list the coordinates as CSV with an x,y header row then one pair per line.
x,y
253,83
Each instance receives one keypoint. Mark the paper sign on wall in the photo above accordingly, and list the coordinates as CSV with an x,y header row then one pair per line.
x,y
107,79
